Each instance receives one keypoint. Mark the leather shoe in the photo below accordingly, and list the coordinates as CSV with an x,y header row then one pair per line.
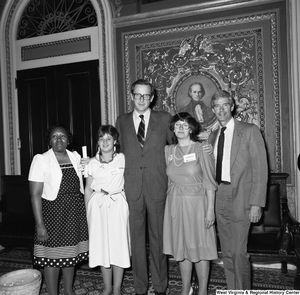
x,y
159,293
140,293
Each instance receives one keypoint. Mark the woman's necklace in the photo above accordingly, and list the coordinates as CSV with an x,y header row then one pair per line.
x,y
102,160
183,154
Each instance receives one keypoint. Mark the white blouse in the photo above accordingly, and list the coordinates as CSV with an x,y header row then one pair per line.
x,y
45,168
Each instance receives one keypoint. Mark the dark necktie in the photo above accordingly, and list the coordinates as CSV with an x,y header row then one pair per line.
x,y
141,131
220,156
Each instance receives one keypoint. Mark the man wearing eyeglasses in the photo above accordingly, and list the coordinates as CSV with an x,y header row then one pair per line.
x,y
242,174
143,134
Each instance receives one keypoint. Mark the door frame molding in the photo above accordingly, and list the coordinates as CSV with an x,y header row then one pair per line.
x,y
9,63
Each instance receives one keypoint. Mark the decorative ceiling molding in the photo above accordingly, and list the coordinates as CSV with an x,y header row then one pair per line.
x,y
187,10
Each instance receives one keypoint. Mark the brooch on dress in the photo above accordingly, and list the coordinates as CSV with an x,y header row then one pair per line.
x,y
170,158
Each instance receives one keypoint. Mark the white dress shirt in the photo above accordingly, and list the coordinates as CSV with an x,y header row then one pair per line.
x,y
228,133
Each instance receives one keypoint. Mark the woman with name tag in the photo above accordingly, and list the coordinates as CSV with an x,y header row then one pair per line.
x,y
107,211
189,231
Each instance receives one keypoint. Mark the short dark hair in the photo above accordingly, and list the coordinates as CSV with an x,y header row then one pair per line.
x,y
54,126
196,83
193,124
221,94
110,130
142,82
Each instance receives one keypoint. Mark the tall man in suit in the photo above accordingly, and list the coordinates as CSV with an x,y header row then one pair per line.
x,y
242,188
145,184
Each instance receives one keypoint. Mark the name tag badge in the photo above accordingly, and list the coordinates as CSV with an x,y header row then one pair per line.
x,y
189,158
115,171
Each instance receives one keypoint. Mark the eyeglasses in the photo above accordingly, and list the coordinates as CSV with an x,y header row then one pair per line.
x,y
219,106
138,96
184,125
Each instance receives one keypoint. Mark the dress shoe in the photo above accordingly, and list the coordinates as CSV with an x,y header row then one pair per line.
x,y
159,293
140,293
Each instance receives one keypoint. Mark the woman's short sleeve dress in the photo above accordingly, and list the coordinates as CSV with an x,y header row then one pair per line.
x,y
108,214
191,172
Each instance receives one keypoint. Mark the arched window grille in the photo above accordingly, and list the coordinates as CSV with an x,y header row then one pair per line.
x,y
46,17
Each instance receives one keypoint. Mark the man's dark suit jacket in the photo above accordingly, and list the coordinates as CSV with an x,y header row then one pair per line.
x,y
147,164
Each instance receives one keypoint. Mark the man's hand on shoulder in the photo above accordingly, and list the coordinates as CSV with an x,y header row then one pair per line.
x,y
208,148
255,213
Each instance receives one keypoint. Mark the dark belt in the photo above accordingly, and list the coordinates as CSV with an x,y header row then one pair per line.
x,y
226,182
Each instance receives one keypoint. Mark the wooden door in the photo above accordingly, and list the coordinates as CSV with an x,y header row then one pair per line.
x,y
68,94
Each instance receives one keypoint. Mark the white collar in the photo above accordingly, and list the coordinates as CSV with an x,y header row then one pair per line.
x,y
136,115
229,125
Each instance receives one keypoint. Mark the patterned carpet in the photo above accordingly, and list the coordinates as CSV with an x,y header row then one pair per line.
x,y
89,281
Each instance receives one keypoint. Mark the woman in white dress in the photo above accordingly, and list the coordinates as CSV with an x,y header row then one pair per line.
x,y
107,211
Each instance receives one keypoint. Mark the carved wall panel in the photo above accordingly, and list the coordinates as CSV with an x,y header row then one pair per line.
x,y
230,61
240,54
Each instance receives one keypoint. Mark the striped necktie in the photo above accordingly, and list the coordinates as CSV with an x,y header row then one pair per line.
x,y
220,156
141,131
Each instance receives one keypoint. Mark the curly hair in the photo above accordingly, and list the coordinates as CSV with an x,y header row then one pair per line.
x,y
110,130
193,125
54,126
